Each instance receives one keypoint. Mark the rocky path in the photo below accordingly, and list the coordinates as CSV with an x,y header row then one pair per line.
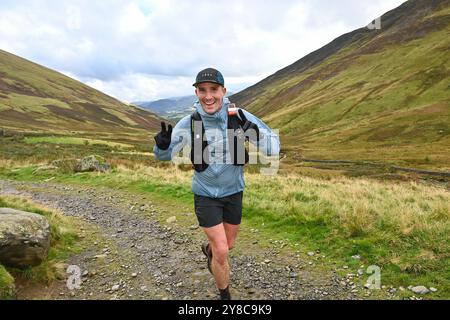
x,y
134,256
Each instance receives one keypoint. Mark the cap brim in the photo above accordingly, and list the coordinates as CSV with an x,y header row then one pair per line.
x,y
206,81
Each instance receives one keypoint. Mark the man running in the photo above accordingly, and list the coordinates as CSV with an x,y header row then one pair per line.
x,y
216,132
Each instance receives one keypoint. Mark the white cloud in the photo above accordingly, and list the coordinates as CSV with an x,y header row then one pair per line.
x,y
73,15
139,87
149,49
133,20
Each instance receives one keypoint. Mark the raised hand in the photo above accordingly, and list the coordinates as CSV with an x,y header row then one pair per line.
x,y
249,127
163,138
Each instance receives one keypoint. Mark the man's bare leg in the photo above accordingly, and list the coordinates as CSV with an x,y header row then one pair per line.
x,y
219,246
231,231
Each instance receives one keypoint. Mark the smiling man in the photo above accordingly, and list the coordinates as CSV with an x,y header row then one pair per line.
x,y
216,133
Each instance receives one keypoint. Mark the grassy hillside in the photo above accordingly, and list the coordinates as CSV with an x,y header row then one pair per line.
x,y
370,95
36,99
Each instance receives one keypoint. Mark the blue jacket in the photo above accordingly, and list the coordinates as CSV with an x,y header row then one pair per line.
x,y
219,179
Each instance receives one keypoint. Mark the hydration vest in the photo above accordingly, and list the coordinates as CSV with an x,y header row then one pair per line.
x,y
198,136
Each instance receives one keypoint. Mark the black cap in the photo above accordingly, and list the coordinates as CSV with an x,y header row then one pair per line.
x,y
209,75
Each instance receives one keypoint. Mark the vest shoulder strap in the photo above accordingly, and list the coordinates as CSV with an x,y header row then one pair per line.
x,y
196,116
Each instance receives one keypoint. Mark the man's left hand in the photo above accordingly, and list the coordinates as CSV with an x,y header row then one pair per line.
x,y
249,127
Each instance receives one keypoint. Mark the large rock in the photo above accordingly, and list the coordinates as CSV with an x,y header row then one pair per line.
x,y
92,163
89,163
24,238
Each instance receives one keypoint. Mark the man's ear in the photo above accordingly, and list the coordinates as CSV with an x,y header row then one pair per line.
x,y
224,90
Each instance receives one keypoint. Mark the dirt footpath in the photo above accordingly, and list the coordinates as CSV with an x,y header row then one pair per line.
x,y
131,255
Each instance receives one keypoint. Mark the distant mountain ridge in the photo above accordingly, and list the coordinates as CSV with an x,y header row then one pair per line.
x,y
161,105
171,108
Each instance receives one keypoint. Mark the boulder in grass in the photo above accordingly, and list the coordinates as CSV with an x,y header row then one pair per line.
x,y
92,163
24,238
89,163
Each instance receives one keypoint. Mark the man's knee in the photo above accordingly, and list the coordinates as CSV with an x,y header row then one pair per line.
x,y
220,253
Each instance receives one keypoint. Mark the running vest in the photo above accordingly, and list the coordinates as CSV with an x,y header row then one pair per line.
x,y
198,132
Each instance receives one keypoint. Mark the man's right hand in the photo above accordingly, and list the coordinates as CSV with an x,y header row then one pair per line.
x,y
164,137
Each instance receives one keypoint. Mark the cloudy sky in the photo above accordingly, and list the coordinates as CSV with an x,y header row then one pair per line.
x,y
151,49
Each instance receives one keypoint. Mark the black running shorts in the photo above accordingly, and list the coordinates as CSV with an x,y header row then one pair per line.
x,y
213,211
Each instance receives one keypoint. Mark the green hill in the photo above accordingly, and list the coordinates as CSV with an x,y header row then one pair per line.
x,y
37,99
380,95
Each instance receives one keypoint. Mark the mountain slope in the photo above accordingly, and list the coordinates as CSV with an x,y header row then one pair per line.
x,y
168,104
35,98
369,94
170,108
